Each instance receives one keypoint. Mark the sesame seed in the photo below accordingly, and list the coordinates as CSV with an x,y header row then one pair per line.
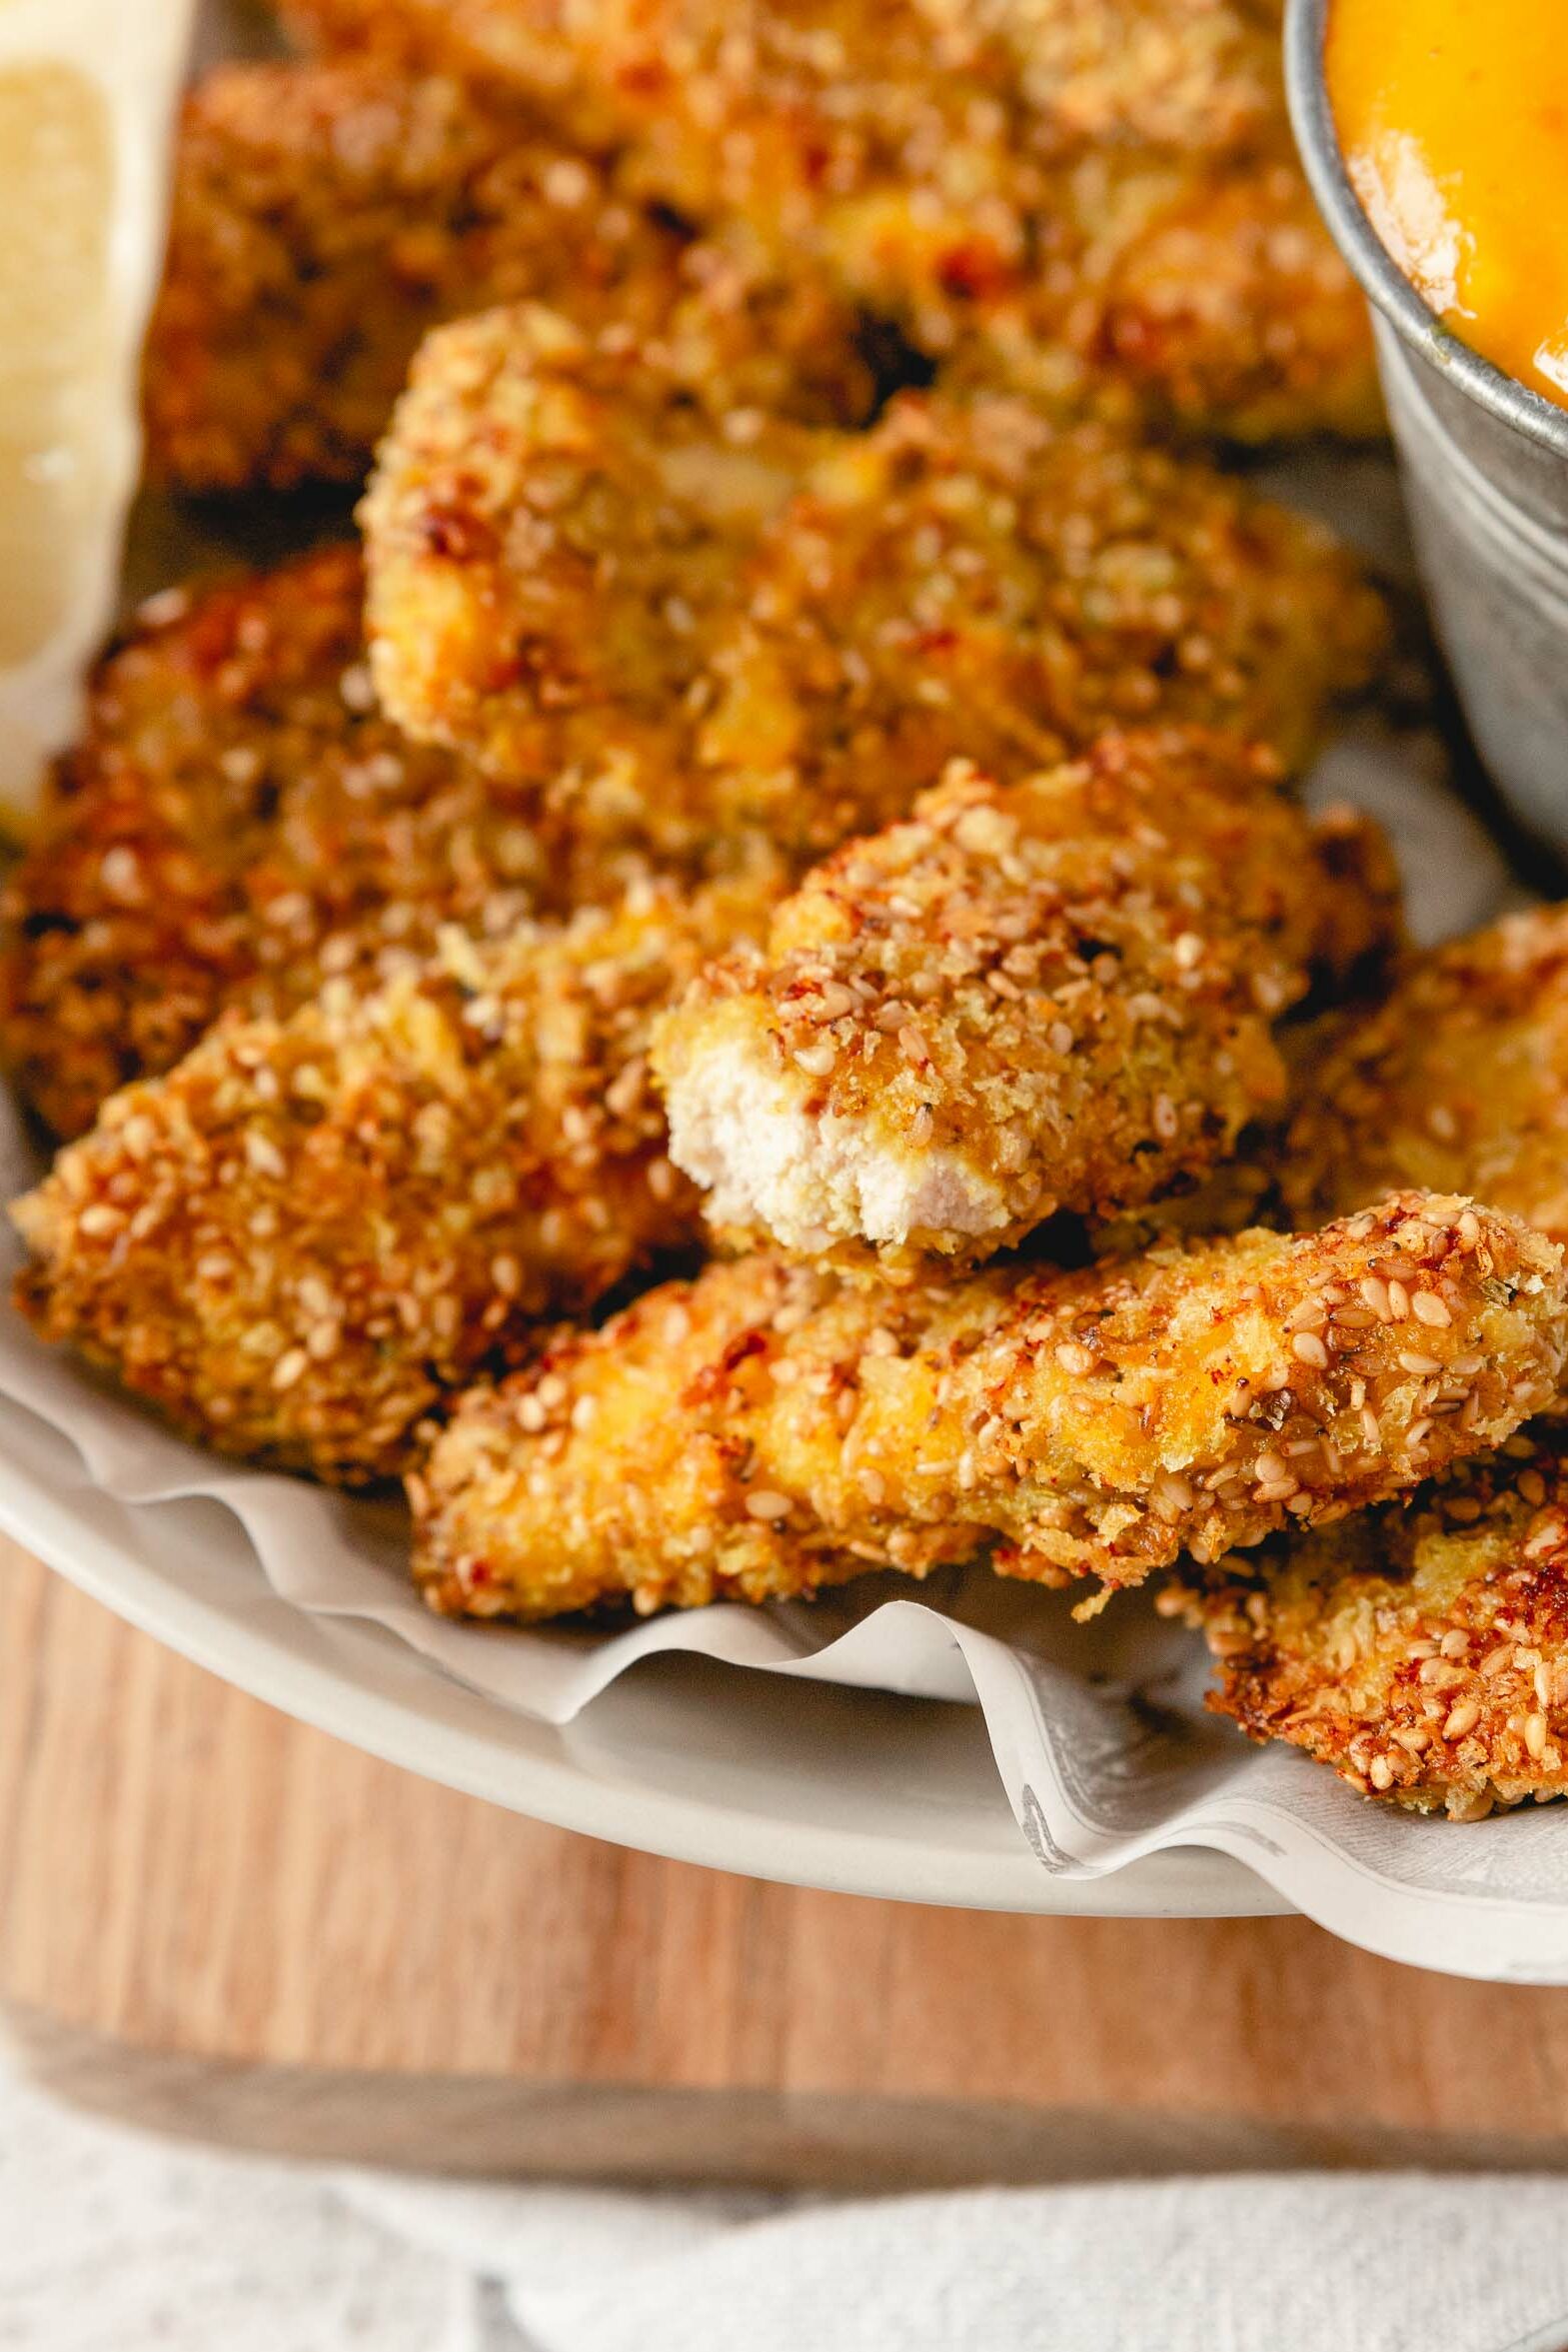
x,y
264,1154
1073,1358
1309,1348
766,1505
289,1368
1536,1729
1419,1367
1462,1718
1428,1308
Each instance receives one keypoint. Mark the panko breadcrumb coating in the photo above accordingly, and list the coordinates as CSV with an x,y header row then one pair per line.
x,y
325,217
1459,1079
573,567
741,1434
298,1240
1053,994
1421,1651
1084,195
239,821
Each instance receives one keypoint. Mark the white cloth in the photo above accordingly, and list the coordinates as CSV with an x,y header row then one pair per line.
x,y
111,2242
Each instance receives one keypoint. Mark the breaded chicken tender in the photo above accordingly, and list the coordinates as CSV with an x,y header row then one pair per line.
x,y
325,217
1458,1080
575,566
1053,994
1421,1651
239,821
298,1240
753,1432
1076,194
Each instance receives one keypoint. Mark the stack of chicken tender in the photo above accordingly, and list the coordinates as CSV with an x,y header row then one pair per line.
x,y
794,793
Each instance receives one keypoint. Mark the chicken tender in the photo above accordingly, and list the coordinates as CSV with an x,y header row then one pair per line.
x,y
297,1241
1421,1651
240,821
1054,994
1458,1080
325,217
573,564
1082,196
753,1433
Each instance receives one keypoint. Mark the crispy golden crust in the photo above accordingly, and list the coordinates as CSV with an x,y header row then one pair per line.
x,y
1458,1080
326,215
519,46
324,218
239,821
1421,1651
1054,994
1073,195
296,1240
1227,311
574,566
739,1434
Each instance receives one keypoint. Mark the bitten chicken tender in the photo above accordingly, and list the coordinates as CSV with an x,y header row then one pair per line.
x,y
1093,196
240,822
575,567
754,1431
1053,995
1421,1651
326,217
1458,1080
298,1240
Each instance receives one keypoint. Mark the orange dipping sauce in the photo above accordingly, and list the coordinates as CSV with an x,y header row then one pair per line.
x,y
1453,121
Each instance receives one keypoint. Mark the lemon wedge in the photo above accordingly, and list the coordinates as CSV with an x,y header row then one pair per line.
x,y
86,92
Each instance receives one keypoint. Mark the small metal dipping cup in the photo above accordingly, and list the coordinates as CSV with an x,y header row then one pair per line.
x,y
1485,467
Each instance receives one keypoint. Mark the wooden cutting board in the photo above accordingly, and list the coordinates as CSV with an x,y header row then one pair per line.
x,y
218,1922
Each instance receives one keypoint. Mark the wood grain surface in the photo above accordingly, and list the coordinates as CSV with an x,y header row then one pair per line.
x,y
218,1920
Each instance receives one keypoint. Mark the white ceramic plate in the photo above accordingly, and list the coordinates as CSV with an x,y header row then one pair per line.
x,y
851,1790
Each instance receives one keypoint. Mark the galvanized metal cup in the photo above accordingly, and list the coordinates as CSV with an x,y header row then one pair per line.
x,y
1485,467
